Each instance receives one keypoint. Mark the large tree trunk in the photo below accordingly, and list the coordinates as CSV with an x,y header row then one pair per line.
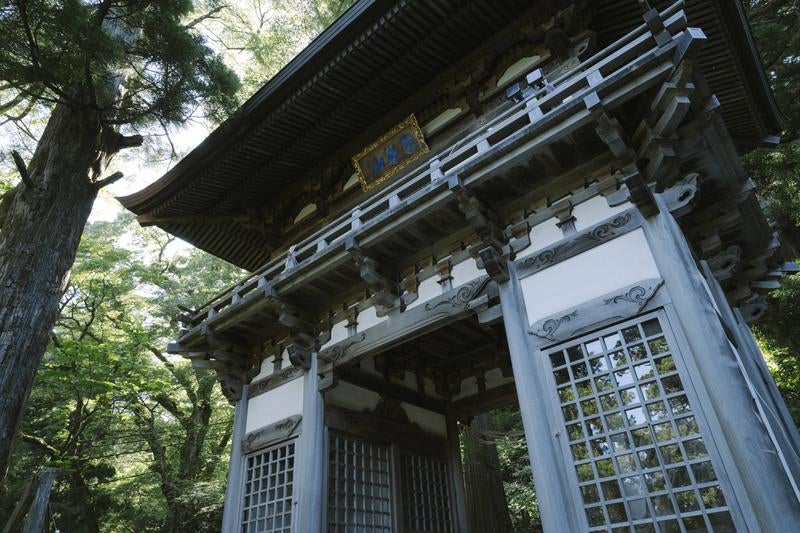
x,y
38,240
487,509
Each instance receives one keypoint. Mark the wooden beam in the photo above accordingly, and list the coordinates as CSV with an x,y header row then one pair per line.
x,y
480,403
392,390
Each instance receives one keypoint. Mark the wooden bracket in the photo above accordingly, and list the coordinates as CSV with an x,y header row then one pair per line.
x,y
382,288
682,197
613,135
754,309
303,335
725,263
493,252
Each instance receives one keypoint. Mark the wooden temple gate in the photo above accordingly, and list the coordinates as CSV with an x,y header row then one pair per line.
x,y
580,240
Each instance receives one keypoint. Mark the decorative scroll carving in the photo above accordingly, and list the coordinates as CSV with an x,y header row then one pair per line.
x,y
619,305
543,259
683,196
575,244
333,354
604,232
550,327
638,295
463,296
274,380
281,430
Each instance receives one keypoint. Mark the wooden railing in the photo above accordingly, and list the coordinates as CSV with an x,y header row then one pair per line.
x,y
536,111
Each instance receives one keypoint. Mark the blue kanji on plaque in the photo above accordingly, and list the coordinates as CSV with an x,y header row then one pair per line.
x,y
410,144
390,154
377,164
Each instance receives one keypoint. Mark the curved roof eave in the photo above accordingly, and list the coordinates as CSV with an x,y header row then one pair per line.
x,y
248,114
775,119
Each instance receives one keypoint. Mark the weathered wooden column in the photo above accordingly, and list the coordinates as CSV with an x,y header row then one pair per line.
x,y
762,492
232,514
310,459
486,498
784,431
556,497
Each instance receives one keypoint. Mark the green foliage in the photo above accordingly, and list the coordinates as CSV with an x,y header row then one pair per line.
x,y
516,471
777,172
259,37
774,24
79,52
142,437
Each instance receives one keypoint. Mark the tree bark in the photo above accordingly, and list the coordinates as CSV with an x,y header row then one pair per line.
x,y
38,241
487,509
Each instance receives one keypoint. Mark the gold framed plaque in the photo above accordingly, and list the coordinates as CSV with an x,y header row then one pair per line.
x,y
391,153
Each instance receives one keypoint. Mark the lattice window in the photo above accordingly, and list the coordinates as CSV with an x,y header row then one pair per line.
x,y
268,490
359,486
637,448
426,494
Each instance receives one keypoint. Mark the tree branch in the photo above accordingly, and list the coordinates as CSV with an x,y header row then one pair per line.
x,y
22,169
113,178
209,15
41,443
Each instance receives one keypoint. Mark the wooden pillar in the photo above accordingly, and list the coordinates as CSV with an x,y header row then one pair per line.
x,y
785,434
762,495
456,476
555,493
310,460
487,508
234,494
37,516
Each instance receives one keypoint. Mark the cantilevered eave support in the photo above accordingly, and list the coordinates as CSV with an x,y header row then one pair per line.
x,y
232,514
762,497
310,496
559,509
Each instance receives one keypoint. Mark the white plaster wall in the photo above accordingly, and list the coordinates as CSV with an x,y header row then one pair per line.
x,y
495,378
591,274
469,387
338,333
275,405
544,234
465,271
267,367
368,318
351,397
595,210
428,289
426,420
